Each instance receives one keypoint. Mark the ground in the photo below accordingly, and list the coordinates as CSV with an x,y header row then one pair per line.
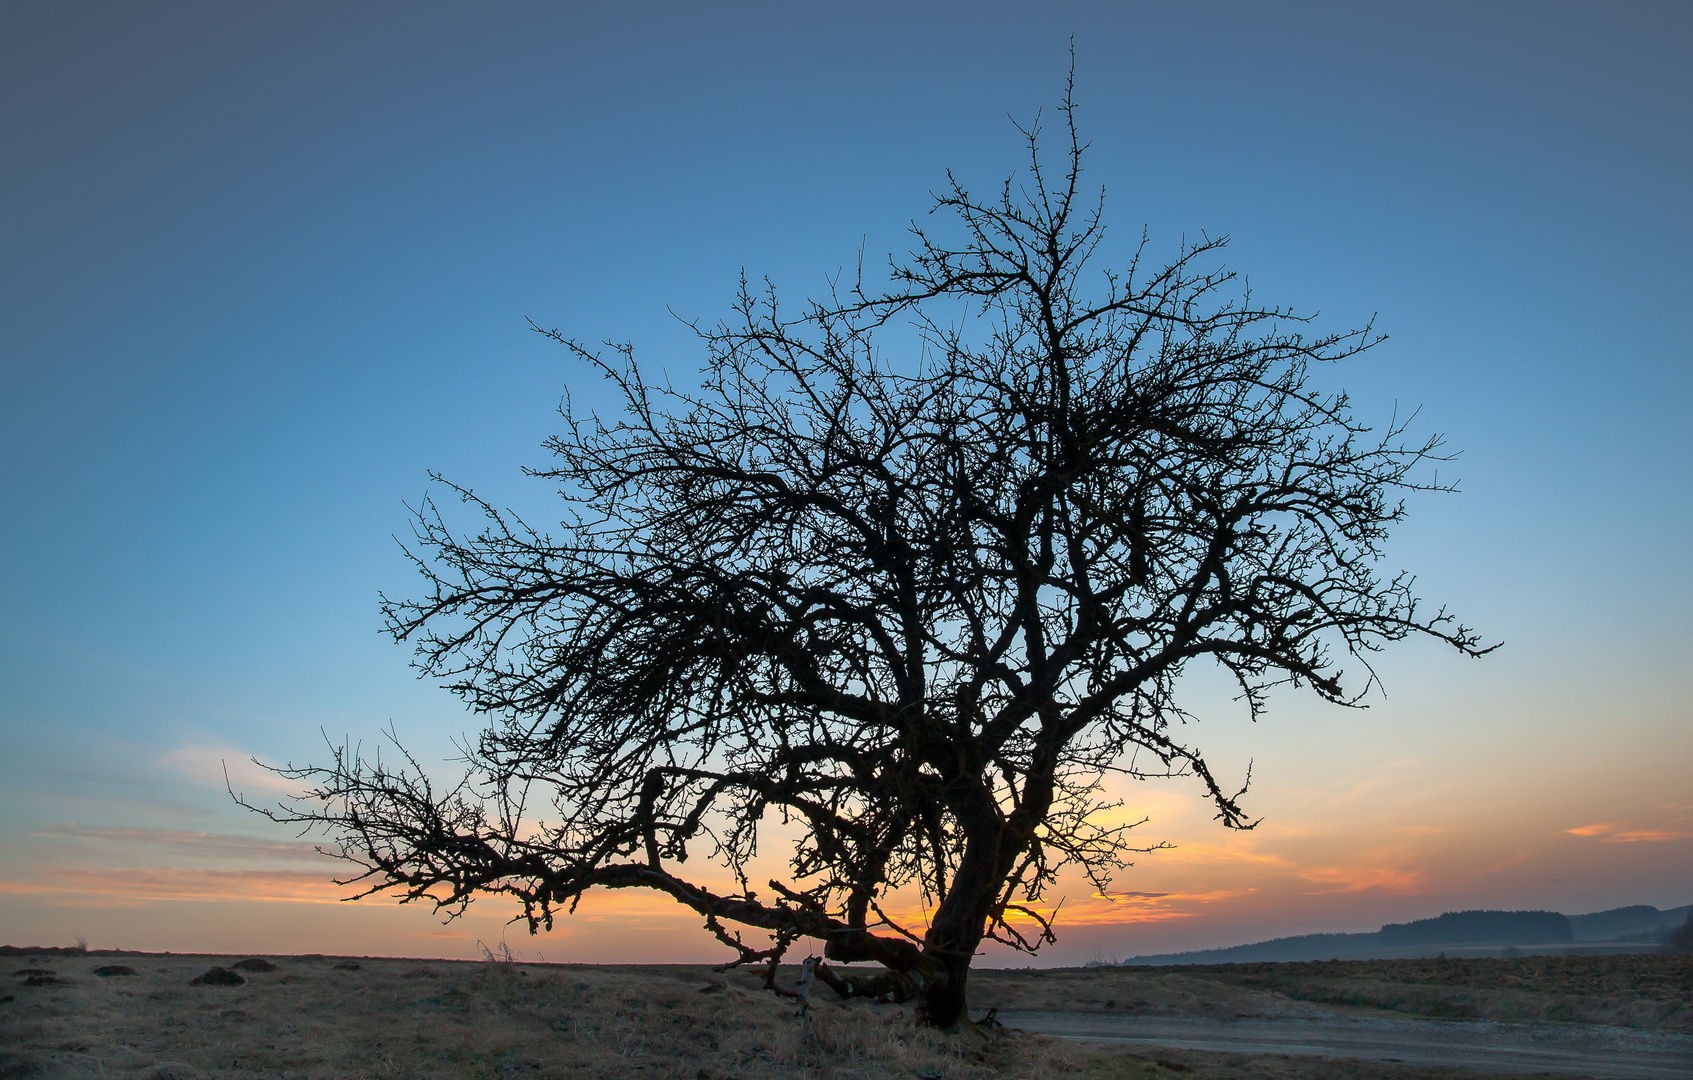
x,y
327,1018
1648,991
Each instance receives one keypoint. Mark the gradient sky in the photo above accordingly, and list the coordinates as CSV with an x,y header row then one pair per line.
x,y
261,266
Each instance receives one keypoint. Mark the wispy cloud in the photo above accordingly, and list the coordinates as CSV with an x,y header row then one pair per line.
x,y
1594,830
1613,832
208,764
197,844
136,887
1647,836
1130,908
1348,879
1212,854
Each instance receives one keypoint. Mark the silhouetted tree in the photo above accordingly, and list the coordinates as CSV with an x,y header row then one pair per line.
x,y
915,609
1681,938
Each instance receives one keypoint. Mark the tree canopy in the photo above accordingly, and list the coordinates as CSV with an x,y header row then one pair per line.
x,y
914,602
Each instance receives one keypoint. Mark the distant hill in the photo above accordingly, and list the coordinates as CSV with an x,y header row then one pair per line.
x,y
1624,922
1279,950
1471,927
1462,930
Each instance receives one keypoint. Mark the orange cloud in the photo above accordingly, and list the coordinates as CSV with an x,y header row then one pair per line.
x,y
1211,854
135,887
1129,908
1594,830
1346,879
204,845
1610,833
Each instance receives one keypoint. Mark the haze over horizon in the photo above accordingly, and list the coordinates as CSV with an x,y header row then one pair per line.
x,y
264,267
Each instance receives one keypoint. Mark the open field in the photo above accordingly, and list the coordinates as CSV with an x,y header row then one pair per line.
x,y
323,1018
1644,991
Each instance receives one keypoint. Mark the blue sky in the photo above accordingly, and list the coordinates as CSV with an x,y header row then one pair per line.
x,y
262,267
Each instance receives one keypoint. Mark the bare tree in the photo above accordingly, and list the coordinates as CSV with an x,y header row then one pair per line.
x,y
917,610
1680,939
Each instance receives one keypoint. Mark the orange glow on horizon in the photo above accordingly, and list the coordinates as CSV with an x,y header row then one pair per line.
x,y
138,886
1319,863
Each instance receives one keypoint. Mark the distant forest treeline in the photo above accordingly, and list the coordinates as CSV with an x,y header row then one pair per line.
x,y
1638,923
1470,927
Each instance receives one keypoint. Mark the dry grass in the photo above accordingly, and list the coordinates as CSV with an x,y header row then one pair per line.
x,y
1139,991
404,1019
1649,991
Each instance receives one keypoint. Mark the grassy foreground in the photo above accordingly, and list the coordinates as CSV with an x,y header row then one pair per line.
x,y
1644,991
316,1018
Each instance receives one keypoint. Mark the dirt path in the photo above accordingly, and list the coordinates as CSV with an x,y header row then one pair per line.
x,y
1611,1053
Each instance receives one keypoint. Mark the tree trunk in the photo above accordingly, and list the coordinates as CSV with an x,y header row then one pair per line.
x,y
943,1003
956,931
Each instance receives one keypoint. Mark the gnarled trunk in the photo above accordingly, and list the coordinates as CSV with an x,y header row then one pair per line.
x,y
958,927
937,975
944,1002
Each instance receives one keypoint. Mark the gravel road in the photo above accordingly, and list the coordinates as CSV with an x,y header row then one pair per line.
x,y
1576,1050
